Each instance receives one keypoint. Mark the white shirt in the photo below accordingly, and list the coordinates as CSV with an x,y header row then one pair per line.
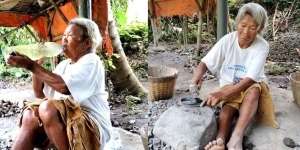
x,y
231,63
85,80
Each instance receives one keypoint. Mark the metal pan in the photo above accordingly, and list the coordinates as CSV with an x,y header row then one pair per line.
x,y
191,101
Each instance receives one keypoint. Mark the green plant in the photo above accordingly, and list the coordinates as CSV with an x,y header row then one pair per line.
x,y
134,37
17,37
119,8
134,32
108,61
10,72
132,101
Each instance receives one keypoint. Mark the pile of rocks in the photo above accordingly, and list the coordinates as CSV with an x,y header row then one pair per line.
x,y
283,49
6,144
8,108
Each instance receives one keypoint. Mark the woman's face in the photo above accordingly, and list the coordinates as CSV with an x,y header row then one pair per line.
x,y
73,42
247,30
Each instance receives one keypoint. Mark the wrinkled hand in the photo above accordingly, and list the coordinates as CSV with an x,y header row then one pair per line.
x,y
40,61
214,98
193,89
16,59
197,82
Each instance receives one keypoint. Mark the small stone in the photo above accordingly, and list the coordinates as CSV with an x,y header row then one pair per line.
x,y
124,114
115,123
132,121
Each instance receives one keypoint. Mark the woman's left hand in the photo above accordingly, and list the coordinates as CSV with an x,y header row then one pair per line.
x,y
214,98
21,61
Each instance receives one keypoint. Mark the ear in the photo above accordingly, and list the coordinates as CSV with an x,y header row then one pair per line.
x,y
88,43
259,30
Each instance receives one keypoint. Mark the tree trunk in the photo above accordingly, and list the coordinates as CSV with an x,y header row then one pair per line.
x,y
122,77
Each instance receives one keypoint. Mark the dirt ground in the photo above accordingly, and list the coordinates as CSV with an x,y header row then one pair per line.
x,y
283,60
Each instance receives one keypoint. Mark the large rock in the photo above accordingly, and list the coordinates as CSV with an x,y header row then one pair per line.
x,y
124,140
186,127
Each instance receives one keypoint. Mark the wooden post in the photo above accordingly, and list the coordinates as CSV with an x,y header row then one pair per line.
x,y
185,30
207,21
199,32
222,18
154,31
85,8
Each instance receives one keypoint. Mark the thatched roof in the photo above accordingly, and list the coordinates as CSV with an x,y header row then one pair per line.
x,y
169,8
24,6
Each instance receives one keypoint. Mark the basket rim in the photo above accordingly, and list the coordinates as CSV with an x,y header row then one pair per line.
x,y
166,78
292,77
174,75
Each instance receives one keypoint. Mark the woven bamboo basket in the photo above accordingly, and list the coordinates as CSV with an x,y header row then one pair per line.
x,y
295,82
162,82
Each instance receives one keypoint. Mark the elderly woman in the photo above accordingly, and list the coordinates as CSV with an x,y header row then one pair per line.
x,y
238,60
73,112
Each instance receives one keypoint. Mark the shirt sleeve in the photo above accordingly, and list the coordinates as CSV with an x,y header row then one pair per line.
x,y
256,66
82,80
215,57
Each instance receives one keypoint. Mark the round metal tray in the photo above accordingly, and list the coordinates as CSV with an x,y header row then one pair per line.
x,y
191,101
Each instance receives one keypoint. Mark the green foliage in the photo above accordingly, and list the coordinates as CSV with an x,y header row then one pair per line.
x,y
233,6
8,72
132,101
18,37
108,61
172,31
134,32
119,8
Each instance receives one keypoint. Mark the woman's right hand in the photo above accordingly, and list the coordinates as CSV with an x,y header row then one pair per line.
x,y
40,61
197,82
18,60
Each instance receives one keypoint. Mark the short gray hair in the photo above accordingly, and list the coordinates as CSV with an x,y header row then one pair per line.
x,y
92,31
258,13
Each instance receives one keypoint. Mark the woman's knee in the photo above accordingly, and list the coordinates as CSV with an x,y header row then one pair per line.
x,y
253,94
29,119
227,112
47,112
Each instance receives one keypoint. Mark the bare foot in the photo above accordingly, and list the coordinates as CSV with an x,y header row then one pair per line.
x,y
235,143
215,145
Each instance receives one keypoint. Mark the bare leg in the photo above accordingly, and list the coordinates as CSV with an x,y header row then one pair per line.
x,y
226,116
225,121
54,128
247,112
28,132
